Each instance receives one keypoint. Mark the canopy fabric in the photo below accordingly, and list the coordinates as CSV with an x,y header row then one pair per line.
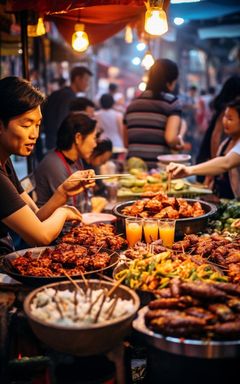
x,y
101,22
104,18
65,6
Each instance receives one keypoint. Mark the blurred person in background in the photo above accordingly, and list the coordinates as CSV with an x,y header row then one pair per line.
x,y
83,105
189,107
225,168
153,119
100,162
20,119
57,105
215,131
118,97
110,122
76,139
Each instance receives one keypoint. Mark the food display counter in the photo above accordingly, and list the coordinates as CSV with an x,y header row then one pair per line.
x,y
189,315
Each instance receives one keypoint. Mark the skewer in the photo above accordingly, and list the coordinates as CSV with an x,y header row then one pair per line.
x,y
100,308
93,303
169,179
84,280
116,285
72,281
111,308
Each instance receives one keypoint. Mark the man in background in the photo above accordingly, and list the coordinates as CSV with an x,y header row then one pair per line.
x,y
57,106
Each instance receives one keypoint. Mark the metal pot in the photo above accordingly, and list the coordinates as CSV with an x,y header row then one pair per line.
x,y
183,226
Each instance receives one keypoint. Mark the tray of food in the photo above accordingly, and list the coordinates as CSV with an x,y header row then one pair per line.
x,y
191,215
42,265
98,235
195,319
144,184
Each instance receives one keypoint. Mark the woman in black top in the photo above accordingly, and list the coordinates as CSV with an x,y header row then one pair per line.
x,y
20,118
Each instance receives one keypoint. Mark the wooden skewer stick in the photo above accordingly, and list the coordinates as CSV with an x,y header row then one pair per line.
x,y
100,308
72,281
111,308
169,179
84,280
116,285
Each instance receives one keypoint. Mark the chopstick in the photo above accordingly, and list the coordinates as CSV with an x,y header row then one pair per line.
x,y
100,177
169,179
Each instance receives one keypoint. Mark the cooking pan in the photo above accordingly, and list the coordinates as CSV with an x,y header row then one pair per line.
x,y
37,281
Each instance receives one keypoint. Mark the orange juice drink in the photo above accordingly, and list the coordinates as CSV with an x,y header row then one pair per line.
x,y
133,231
150,228
167,232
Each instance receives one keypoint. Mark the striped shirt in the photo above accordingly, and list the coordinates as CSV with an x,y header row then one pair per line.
x,y
146,119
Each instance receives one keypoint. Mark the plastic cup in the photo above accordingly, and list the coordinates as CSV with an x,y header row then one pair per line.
x,y
134,228
112,189
150,229
167,231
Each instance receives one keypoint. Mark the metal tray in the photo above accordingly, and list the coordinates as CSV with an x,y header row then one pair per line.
x,y
185,347
38,281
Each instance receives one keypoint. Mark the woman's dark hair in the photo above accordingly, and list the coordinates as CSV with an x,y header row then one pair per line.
x,y
17,96
106,101
229,91
71,125
104,145
235,104
163,71
81,104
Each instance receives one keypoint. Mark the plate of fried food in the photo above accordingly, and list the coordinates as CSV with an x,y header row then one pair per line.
x,y
196,319
43,265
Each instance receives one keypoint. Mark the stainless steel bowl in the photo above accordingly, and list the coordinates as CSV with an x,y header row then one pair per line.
x,y
183,226
185,347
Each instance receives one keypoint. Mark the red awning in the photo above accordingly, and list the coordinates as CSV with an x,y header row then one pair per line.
x,y
102,19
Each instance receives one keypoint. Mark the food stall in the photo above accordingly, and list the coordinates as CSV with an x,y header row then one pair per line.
x,y
183,296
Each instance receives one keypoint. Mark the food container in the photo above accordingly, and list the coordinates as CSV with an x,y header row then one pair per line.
x,y
183,226
185,347
164,160
37,281
90,338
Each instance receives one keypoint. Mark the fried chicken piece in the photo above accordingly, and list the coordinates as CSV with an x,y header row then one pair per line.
x,y
197,209
233,257
167,212
153,205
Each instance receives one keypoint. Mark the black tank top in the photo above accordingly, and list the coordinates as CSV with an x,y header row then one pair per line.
x,y
222,187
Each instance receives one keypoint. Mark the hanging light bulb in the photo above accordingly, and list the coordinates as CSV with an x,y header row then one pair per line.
x,y
147,61
80,40
155,18
34,30
128,35
40,30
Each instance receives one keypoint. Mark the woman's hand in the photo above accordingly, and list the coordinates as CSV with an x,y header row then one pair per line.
x,y
178,170
74,184
72,213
